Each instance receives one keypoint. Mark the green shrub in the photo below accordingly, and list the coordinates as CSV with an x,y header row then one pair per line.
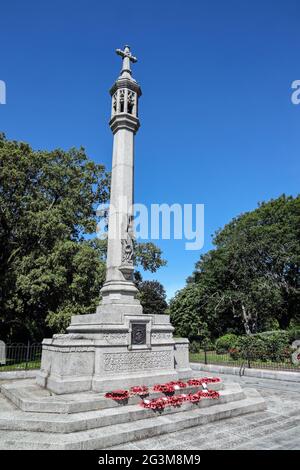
x,y
234,353
271,324
270,345
195,347
226,342
276,344
207,344
294,333
251,347
278,333
267,346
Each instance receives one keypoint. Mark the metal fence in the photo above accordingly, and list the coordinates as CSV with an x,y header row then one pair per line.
x,y
21,357
28,356
212,357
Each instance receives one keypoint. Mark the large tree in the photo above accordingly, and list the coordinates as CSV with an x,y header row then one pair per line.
x,y
252,277
51,266
152,295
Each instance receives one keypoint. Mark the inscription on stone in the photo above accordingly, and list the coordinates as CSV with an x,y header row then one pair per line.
x,y
126,362
138,333
161,336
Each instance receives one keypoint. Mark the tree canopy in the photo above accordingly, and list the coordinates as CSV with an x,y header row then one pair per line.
x,y
152,295
250,281
51,265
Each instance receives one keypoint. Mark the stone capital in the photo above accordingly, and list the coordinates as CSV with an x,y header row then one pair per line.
x,y
130,84
124,121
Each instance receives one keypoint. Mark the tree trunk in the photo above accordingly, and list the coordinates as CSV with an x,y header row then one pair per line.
x,y
246,319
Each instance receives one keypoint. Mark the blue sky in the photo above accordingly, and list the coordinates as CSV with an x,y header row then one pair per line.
x,y
217,123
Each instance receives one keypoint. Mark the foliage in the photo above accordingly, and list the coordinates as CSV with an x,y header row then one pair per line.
x,y
225,342
250,281
272,346
194,347
271,324
207,343
269,345
149,256
277,345
294,333
185,314
83,275
50,267
250,347
234,353
152,296
47,204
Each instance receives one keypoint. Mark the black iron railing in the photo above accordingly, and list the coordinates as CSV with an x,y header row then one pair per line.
x,y
205,356
18,356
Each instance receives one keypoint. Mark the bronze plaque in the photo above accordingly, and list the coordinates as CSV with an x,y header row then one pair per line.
x,y
138,333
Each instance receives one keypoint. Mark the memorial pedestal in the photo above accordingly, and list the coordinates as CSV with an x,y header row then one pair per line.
x,y
117,347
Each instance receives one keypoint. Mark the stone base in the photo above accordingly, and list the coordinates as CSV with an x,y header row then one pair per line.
x,y
87,420
65,385
29,397
117,347
107,384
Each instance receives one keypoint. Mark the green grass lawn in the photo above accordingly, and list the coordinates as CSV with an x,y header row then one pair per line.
x,y
21,366
213,358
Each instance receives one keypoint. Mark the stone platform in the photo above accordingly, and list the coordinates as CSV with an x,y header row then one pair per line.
x,y
39,419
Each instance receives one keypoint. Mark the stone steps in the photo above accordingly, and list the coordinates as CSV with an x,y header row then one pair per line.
x,y
29,397
68,423
115,434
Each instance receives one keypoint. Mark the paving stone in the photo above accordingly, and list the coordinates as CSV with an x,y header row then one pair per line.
x,y
129,446
157,443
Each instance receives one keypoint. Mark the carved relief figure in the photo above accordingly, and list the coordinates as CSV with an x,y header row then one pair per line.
x,y
127,244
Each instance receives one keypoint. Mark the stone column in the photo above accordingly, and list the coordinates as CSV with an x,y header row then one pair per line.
x,y
124,123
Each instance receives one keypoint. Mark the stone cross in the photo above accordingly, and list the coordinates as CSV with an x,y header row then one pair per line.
x,y
127,58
